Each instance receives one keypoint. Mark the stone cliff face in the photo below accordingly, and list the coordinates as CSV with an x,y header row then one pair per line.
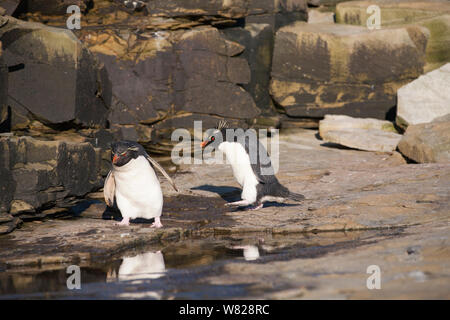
x,y
173,75
163,63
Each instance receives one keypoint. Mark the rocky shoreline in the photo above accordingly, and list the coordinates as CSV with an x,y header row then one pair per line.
x,y
364,134
347,192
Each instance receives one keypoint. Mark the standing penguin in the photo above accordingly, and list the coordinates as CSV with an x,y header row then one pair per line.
x,y
251,166
133,183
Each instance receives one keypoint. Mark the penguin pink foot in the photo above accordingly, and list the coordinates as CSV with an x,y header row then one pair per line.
x,y
124,222
238,203
157,224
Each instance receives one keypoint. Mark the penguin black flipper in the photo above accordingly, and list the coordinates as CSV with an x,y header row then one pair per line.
x,y
164,173
109,189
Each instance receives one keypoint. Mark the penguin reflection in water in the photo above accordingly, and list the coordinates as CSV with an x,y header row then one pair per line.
x,y
251,166
133,183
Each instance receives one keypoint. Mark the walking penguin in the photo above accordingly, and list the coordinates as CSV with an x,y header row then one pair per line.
x,y
251,166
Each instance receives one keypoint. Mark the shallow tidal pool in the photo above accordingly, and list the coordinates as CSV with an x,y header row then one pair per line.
x,y
179,270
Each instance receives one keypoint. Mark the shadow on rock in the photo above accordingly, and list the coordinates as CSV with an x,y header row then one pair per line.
x,y
114,214
231,194
267,205
227,193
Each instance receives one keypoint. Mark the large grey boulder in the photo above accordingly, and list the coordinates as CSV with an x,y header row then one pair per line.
x,y
427,142
324,68
36,173
58,82
140,71
363,134
425,98
208,76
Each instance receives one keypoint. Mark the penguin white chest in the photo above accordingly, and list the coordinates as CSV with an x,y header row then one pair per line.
x,y
138,192
242,169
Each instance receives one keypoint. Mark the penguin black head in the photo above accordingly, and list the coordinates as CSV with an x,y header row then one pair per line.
x,y
123,151
217,136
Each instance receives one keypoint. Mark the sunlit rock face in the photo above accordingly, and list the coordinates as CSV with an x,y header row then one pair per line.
x,y
323,69
425,98
58,82
433,15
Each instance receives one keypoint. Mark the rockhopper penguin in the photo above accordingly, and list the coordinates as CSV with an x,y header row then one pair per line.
x,y
133,183
251,166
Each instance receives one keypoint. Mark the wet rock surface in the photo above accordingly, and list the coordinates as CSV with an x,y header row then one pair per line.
x,y
348,193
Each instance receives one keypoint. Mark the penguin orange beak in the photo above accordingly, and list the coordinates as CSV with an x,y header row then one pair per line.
x,y
115,158
204,143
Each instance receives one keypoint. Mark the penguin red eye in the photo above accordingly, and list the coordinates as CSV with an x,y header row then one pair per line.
x,y
212,138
